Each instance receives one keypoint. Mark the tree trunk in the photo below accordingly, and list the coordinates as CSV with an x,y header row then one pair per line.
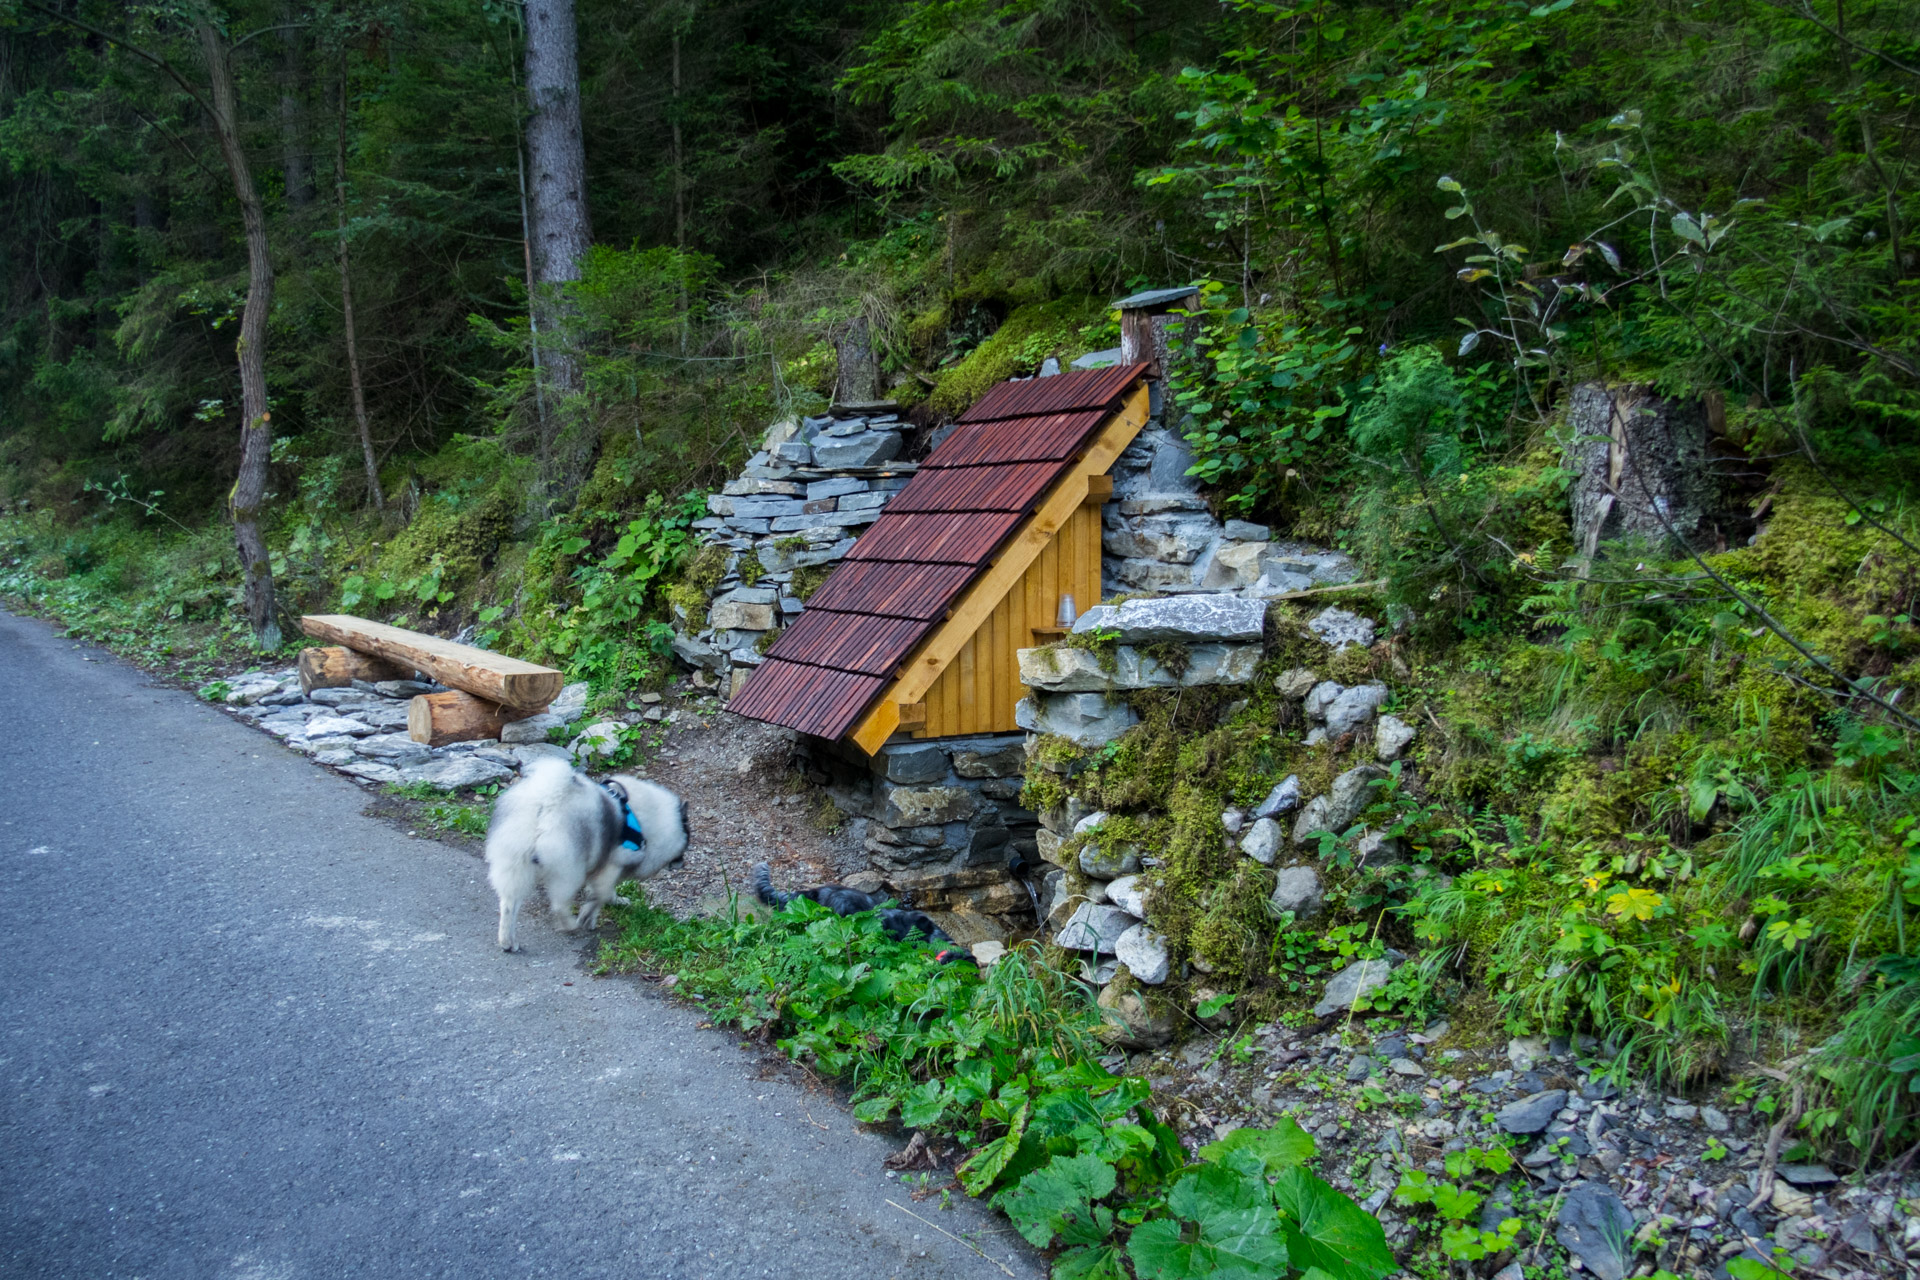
x,y
296,163
561,232
1640,469
859,368
346,308
250,489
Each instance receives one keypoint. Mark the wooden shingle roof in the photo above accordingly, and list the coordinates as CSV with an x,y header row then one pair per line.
x,y
934,538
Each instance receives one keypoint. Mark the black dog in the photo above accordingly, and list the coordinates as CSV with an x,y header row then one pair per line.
x,y
842,901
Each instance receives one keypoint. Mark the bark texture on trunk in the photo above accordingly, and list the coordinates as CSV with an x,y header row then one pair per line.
x,y
250,489
561,232
354,383
296,160
1640,467
858,380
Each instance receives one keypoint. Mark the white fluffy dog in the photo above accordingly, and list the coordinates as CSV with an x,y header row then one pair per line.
x,y
557,828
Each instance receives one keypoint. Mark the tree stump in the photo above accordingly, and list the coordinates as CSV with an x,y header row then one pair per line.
x,y
1640,468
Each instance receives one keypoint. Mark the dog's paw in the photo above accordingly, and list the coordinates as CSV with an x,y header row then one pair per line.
x,y
617,901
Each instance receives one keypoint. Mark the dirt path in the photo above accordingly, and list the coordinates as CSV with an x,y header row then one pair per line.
x,y
744,805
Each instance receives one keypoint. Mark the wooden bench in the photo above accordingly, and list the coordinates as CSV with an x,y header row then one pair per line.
x,y
487,691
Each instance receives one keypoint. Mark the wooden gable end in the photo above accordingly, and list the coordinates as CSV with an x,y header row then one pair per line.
x,y
996,615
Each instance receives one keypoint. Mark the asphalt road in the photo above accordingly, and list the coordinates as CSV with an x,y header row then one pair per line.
x,y
248,1032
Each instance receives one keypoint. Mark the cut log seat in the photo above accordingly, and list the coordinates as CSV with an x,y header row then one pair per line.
x,y
493,677
336,666
439,718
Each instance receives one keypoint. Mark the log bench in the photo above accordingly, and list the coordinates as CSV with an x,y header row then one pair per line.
x,y
486,691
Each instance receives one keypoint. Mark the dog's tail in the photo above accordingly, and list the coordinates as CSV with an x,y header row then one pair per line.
x,y
763,887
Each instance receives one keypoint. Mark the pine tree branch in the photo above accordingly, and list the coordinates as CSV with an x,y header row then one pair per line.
x,y
154,59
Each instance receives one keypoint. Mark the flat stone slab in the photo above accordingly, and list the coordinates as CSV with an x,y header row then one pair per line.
x,y
1531,1114
1060,669
1190,618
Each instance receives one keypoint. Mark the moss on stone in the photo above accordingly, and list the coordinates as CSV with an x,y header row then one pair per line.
x,y
1022,342
808,579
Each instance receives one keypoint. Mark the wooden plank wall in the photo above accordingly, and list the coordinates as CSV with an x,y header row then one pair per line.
x,y
978,690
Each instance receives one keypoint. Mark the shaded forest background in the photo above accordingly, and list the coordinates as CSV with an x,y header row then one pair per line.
x,y
1416,227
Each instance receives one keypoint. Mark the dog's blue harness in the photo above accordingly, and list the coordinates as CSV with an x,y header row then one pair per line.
x,y
634,837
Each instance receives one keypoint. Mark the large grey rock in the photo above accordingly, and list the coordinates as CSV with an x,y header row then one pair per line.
x,y
1109,864
372,771
1350,794
1191,619
1084,719
1338,628
1298,889
1311,566
1144,952
531,729
1234,567
572,702
458,772
1391,736
1295,682
1377,849
924,806
529,752
1284,798
915,763
763,508
984,760
1322,696
1262,842
404,689
1246,531
1094,927
1596,1227
1129,893
1174,540
689,649
328,725
736,615
1312,818
1059,669
396,749
600,739
1354,708
1533,1113
867,449
339,697
1351,983
1137,573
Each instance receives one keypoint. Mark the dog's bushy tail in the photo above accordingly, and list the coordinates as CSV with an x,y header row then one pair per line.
x,y
763,887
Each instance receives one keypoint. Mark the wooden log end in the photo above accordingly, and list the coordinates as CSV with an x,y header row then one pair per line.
x,y
440,718
336,666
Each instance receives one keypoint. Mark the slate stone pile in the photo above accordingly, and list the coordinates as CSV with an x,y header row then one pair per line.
x,y
1097,896
362,731
944,829
800,502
